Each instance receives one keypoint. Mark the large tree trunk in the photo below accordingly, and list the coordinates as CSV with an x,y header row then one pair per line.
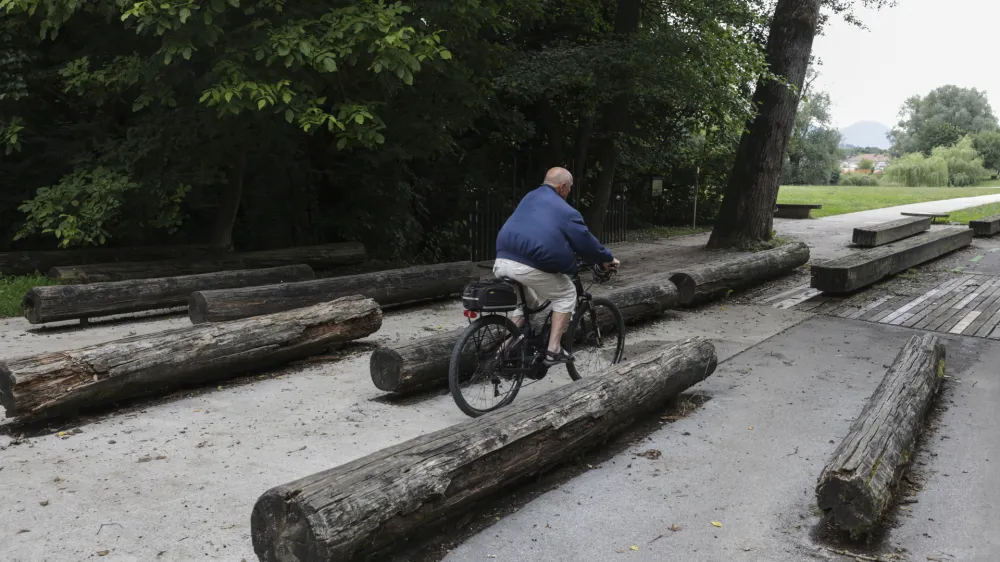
x,y
27,262
422,364
67,302
715,280
229,204
614,120
749,200
393,287
856,486
365,507
50,384
327,256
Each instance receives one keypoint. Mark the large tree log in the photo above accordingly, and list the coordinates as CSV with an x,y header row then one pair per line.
x,y
391,287
26,262
856,486
67,302
55,383
317,257
706,282
423,363
364,507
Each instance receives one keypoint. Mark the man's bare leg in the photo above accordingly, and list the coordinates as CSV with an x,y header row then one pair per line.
x,y
560,322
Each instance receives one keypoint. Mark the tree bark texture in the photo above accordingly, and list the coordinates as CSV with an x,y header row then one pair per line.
x,y
614,120
362,508
323,257
27,262
748,203
67,302
422,364
51,384
856,486
703,283
392,287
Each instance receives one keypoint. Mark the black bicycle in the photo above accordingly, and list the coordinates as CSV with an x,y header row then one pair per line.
x,y
493,356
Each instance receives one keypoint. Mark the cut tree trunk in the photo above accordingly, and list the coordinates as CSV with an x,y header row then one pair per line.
x,y
366,507
712,281
614,119
423,363
855,488
317,257
51,384
27,262
67,302
392,287
748,203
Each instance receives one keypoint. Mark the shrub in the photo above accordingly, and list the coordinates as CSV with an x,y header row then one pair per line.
x,y
965,165
864,180
916,170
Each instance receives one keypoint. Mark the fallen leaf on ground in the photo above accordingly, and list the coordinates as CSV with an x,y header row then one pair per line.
x,y
651,454
716,523
633,547
103,552
750,428
675,527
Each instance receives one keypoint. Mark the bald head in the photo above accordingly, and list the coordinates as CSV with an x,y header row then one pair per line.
x,y
560,179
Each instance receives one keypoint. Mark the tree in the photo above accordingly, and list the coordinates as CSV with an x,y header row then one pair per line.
x,y
812,147
746,213
941,118
866,164
987,144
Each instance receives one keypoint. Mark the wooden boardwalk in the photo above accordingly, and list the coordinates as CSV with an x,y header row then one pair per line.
x,y
967,304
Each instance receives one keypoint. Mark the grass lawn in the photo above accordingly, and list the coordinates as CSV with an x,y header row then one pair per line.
x,y
963,216
837,200
12,290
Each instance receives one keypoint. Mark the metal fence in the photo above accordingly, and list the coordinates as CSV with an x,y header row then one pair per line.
x,y
490,213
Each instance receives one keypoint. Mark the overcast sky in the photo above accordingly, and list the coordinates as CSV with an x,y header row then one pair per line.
x,y
910,49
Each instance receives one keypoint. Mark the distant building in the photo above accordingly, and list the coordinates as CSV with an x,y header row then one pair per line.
x,y
851,164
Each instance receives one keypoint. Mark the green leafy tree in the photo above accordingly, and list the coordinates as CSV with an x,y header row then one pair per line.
x,y
941,118
866,164
987,144
812,147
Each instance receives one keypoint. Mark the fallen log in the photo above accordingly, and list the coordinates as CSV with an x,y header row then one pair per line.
x,y
393,287
30,261
68,302
125,271
422,364
881,234
856,486
323,257
703,283
362,508
51,384
864,267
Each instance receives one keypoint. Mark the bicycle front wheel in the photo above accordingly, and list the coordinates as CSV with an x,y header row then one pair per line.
x,y
596,338
486,368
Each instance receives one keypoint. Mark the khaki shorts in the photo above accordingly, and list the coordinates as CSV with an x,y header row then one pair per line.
x,y
539,286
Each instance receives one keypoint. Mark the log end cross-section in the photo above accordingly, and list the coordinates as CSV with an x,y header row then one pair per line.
x,y
855,488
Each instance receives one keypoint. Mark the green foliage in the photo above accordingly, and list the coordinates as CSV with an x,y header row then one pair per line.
x,y
941,118
13,289
812,155
866,164
987,144
917,170
864,180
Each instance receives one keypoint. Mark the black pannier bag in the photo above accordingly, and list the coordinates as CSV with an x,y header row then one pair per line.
x,y
489,296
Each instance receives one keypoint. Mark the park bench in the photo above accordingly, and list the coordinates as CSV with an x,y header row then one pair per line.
x,y
933,216
884,233
986,226
864,267
794,210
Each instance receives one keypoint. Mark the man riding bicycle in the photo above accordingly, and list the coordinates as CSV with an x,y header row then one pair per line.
x,y
537,247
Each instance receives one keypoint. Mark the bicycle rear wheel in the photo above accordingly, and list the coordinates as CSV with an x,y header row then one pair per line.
x,y
596,338
482,376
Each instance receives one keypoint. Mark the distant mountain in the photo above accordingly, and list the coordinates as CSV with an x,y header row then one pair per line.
x,y
865,133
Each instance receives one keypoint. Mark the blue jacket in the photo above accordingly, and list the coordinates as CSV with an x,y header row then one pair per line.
x,y
546,233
